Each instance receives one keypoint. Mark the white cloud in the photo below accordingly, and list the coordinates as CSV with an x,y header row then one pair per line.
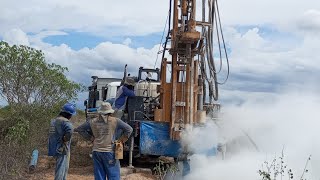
x,y
139,17
127,41
258,59
257,64
16,36
103,17
310,21
263,12
105,60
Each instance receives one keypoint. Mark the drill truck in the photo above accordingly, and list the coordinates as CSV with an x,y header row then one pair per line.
x,y
185,89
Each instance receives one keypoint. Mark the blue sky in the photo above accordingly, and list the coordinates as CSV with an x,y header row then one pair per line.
x,y
78,40
265,49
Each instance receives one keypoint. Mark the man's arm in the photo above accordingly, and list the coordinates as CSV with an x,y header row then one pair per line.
x,y
85,131
127,130
128,92
68,130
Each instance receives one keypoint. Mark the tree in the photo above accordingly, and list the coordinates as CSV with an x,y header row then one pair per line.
x,y
26,78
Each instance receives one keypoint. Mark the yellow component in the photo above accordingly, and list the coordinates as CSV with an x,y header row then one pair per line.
x,y
119,150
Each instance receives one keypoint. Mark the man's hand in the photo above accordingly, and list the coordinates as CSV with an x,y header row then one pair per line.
x,y
65,139
122,139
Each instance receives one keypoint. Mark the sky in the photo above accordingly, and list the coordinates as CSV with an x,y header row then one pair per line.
x,y
272,44
273,50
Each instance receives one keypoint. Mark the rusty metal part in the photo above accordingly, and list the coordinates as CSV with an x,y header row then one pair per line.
x,y
184,5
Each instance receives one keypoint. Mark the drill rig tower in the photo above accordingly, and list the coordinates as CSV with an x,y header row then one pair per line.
x,y
183,98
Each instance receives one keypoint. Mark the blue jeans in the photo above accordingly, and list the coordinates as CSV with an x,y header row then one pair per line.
x,y
105,165
62,166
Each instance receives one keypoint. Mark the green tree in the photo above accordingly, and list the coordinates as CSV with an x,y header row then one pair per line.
x,y
35,91
26,78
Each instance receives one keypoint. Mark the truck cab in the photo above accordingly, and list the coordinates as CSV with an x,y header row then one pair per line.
x,y
101,89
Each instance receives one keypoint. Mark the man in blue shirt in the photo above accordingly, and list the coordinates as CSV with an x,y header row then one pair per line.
x,y
125,91
60,133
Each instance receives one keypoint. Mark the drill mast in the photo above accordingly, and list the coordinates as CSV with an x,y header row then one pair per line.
x,y
182,97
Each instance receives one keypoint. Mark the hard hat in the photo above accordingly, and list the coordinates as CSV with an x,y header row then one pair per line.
x,y
130,81
69,108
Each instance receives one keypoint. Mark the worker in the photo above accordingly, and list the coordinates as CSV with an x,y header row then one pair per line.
x,y
103,128
60,134
125,91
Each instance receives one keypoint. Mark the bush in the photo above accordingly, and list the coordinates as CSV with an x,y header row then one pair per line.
x,y
34,91
23,128
278,169
19,131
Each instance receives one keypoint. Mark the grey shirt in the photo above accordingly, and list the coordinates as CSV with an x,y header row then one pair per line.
x,y
103,128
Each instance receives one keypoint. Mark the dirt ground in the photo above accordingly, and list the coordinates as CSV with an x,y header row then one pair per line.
x,y
85,173
45,171
81,165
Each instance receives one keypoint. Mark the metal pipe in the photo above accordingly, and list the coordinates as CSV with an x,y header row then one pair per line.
x,y
200,93
203,10
131,152
34,160
193,15
174,69
191,85
200,102
202,23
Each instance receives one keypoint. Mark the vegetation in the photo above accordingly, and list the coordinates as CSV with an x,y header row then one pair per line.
x,y
34,91
278,169
26,78
162,169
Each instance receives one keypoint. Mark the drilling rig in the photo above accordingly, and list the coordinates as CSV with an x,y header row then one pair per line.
x,y
183,99
185,88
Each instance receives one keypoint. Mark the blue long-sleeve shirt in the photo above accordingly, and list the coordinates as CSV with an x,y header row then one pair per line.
x,y
85,130
121,97
60,134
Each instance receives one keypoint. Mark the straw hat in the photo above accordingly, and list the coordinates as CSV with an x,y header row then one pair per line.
x,y
105,108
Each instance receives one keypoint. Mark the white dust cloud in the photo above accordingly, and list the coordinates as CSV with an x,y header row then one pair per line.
x,y
256,132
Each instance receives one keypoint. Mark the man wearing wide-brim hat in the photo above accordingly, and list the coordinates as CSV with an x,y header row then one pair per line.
x,y
103,129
